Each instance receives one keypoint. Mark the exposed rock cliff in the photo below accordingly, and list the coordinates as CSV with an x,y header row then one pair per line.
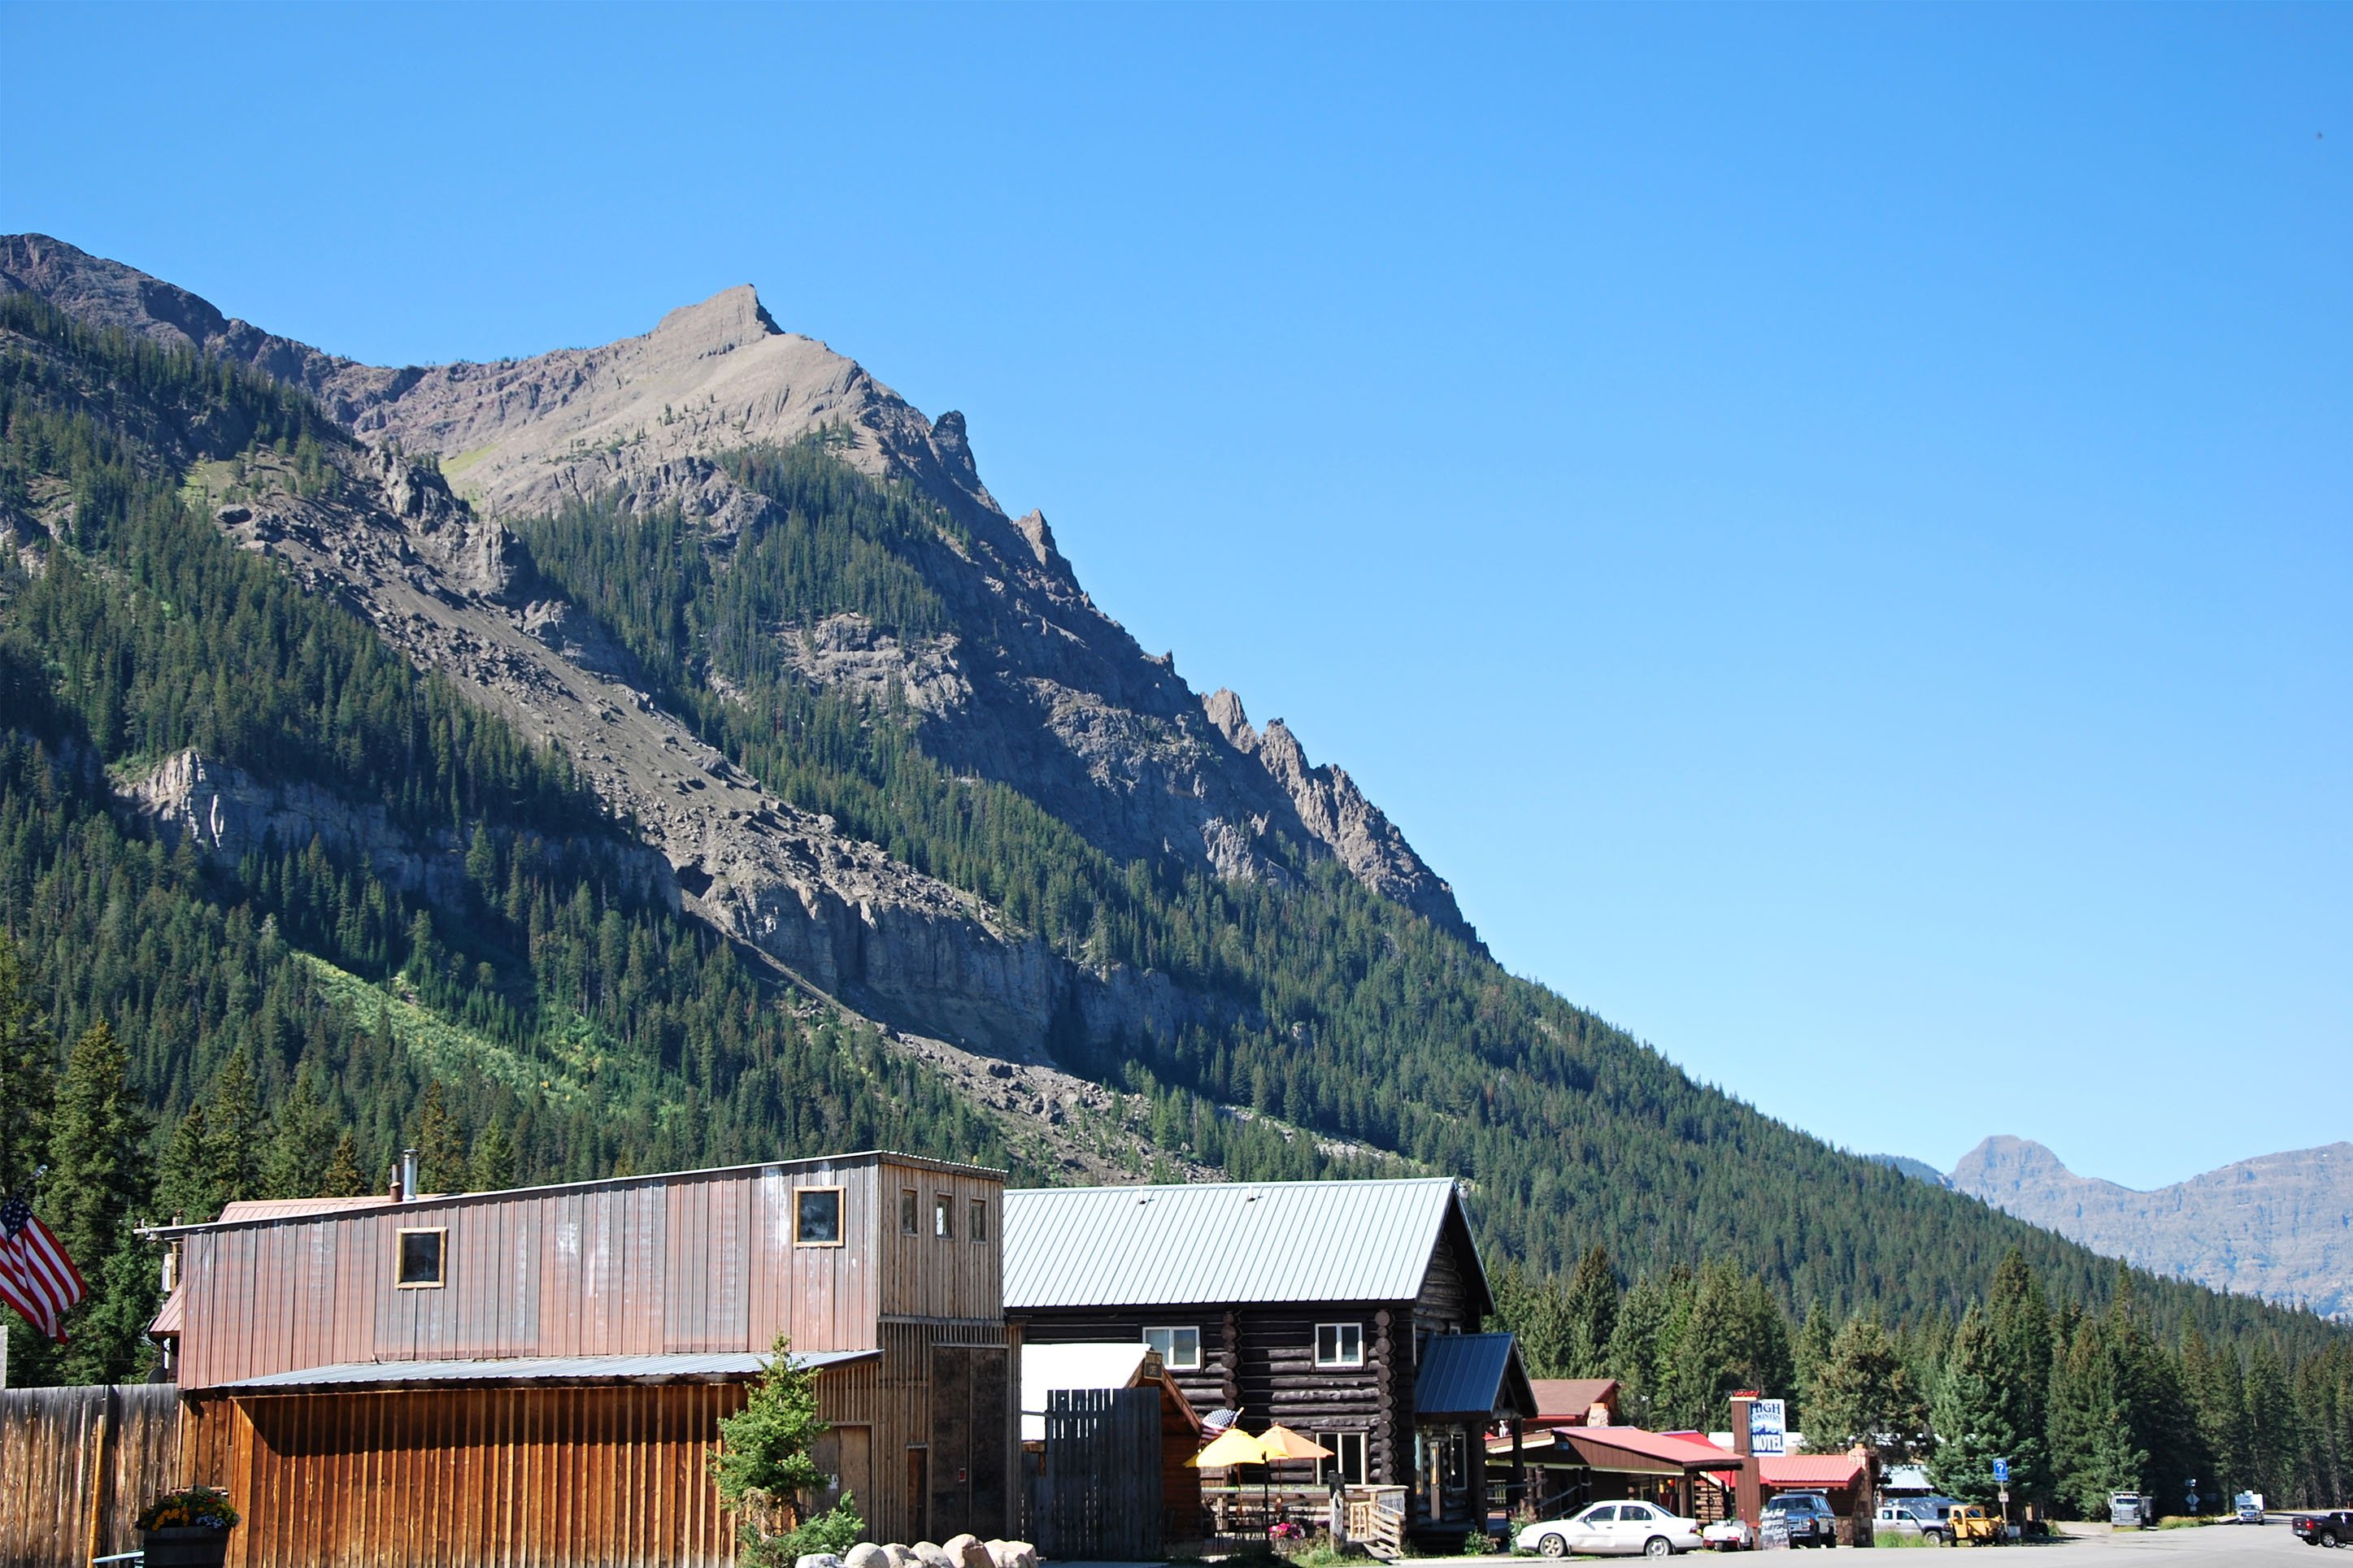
x,y
1055,699
2279,1226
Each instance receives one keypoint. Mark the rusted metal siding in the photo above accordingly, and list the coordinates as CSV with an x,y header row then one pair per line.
x,y
515,1477
704,1261
78,1463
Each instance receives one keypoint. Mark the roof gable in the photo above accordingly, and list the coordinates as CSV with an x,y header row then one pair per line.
x,y
1218,1243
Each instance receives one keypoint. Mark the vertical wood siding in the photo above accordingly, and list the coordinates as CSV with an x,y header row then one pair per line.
x,y
502,1478
78,1463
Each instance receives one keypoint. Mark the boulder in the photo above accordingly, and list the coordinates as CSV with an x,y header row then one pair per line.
x,y
816,1560
934,1555
903,1556
967,1551
866,1554
1012,1555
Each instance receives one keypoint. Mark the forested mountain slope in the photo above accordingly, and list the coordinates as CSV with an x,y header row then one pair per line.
x,y
732,777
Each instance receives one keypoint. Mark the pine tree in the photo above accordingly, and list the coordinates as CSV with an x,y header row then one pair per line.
x,y
440,1144
493,1165
301,1138
2018,1320
1591,1313
344,1178
1974,1412
1815,1337
233,1134
97,1180
1863,1394
186,1188
27,1076
1643,1346
2093,1447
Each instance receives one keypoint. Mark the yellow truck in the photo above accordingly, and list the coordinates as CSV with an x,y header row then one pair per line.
x,y
1971,1525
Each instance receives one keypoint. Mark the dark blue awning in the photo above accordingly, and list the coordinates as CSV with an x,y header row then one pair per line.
x,y
1473,1377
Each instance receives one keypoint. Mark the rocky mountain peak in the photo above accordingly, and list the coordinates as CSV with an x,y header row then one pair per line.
x,y
721,324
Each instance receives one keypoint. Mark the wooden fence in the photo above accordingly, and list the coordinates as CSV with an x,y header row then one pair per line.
x,y
78,1463
1099,1495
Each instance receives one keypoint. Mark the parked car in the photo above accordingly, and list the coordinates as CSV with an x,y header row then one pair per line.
x,y
1727,1535
1811,1520
1903,1517
1612,1529
2331,1528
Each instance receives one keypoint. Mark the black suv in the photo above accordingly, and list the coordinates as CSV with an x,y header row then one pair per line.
x,y
1808,1515
2332,1529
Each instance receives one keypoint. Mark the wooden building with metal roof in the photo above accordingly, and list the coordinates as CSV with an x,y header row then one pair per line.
x,y
1347,1311
538,1375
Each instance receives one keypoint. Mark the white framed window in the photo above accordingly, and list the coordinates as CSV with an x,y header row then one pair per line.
x,y
1180,1349
816,1217
1339,1344
424,1257
1347,1464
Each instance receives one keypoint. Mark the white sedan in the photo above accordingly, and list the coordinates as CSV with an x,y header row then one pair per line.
x,y
1612,1529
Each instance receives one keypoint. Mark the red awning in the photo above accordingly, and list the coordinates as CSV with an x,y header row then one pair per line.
x,y
1632,1449
1828,1470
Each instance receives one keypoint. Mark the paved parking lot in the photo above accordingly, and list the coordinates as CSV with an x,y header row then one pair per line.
x,y
2219,1545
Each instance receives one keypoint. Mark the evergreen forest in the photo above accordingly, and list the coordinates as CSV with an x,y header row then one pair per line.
x,y
177,1032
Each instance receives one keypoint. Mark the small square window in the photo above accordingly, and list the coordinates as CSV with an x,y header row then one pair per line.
x,y
423,1254
1180,1349
1339,1344
816,1217
911,1208
976,1229
943,1217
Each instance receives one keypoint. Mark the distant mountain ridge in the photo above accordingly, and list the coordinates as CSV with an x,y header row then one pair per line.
x,y
2279,1225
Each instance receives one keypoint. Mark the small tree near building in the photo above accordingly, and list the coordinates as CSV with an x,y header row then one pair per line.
x,y
764,1469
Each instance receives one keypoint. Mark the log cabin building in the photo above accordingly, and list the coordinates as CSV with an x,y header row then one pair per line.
x,y
537,1375
1347,1311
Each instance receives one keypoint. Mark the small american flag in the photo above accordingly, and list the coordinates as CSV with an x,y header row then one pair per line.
x,y
36,1278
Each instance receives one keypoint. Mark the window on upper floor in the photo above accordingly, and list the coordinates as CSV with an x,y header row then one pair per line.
x,y
423,1258
816,1217
911,1210
977,1226
1180,1349
943,1217
1339,1344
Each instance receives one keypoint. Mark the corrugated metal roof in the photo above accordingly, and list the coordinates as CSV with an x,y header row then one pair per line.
x,y
167,1321
297,1208
1471,1375
1217,1242
1045,1368
1623,1449
701,1368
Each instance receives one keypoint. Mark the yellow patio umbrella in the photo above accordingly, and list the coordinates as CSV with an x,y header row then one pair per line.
x,y
1280,1442
1233,1446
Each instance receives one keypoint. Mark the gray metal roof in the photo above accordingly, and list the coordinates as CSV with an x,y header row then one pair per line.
x,y
1472,1374
1221,1242
586,1369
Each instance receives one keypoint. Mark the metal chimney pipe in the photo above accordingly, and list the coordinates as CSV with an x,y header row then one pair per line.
x,y
408,1176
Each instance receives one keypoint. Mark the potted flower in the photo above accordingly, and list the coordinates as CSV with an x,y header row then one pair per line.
x,y
187,1528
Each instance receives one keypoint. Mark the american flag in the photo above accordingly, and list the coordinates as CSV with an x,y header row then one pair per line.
x,y
36,1278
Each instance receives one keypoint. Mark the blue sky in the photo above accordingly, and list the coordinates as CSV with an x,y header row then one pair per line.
x,y
1832,527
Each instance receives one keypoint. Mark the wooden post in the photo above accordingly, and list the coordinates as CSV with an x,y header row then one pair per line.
x,y
100,1475
1519,1471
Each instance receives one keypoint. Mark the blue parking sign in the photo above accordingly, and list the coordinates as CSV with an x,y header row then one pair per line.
x,y
2001,1472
